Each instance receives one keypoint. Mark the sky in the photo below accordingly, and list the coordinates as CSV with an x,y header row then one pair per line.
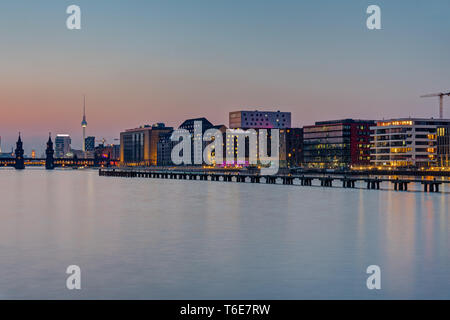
x,y
142,61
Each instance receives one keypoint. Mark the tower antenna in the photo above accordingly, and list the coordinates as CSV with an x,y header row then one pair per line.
x,y
84,125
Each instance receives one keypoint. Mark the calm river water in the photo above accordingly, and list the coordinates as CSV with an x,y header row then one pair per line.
x,y
170,239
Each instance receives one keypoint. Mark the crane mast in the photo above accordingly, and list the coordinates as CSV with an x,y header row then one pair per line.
x,y
441,101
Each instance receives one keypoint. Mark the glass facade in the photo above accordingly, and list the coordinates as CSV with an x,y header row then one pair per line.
x,y
134,147
294,147
90,143
337,144
443,146
139,146
408,142
62,145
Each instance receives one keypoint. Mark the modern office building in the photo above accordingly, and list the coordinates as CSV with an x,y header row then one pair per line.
x,y
337,144
5,155
165,144
197,128
259,120
443,146
293,139
164,147
191,124
139,146
89,143
62,145
223,129
232,146
406,142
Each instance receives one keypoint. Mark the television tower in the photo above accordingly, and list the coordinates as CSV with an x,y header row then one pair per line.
x,y
84,124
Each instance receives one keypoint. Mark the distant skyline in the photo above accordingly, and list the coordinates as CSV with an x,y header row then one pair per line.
x,y
141,62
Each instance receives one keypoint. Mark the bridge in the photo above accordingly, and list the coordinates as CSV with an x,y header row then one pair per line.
x,y
371,183
60,162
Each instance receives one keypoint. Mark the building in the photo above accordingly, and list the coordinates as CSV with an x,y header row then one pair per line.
x,y
5,155
259,120
89,143
232,147
197,128
139,146
337,144
443,146
406,142
62,145
223,129
76,154
293,138
109,151
165,144
164,147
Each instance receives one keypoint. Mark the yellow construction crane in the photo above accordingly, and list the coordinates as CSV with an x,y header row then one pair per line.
x,y
441,101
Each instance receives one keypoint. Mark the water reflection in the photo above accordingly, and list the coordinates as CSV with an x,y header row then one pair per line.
x,y
162,239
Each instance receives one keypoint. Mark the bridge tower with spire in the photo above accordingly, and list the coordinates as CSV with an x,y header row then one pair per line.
x,y
20,161
49,160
